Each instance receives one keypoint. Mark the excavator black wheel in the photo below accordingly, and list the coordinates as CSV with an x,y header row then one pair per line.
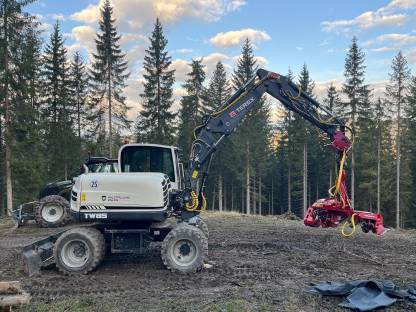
x,y
52,211
79,250
184,249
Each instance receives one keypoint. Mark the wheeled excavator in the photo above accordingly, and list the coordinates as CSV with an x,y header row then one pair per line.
x,y
153,199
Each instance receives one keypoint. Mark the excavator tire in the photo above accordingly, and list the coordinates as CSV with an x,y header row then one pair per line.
x,y
52,211
203,226
79,250
184,249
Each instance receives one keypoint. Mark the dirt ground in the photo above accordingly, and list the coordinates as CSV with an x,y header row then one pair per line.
x,y
259,264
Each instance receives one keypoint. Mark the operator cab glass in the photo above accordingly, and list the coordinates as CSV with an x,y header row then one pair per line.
x,y
148,159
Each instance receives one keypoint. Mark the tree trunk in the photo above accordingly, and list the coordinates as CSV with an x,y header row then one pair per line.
x,y
289,192
220,193
1,178
269,211
289,182
7,121
225,196
247,178
398,167
232,195
254,192
242,193
110,116
305,178
78,111
272,196
259,194
353,161
378,168
213,199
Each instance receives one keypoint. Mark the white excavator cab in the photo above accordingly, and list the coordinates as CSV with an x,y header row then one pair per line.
x,y
152,158
140,191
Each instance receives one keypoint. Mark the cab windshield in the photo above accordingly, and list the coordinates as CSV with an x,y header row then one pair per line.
x,y
148,159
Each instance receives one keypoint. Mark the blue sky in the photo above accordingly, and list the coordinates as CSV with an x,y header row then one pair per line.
x,y
285,34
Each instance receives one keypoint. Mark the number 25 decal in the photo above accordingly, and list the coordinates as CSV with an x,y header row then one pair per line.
x,y
94,183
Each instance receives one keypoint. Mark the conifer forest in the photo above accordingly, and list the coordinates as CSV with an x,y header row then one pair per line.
x,y
57,108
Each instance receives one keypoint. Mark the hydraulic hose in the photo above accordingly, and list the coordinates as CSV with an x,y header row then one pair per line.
x,y
351,223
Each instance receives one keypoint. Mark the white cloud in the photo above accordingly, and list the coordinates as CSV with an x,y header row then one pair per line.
x,y
134,20
184,50
402,39
137,13
261,61
411,56
405,4
324,43
89,15
236,37
179,92
56,16
132,92
391,15
391,42
181,68
84,37
365,20
299,48
45,27
378,88
211,60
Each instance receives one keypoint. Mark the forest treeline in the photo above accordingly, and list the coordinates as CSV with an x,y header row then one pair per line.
x,y
57,108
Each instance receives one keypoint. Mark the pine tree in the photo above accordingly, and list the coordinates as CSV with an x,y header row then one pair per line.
x,y
302,139
288,123
109,74
79,88
28,163
14,21
333,103
57,108
192,105
357,93
396,93
250,141
157,122
410,145
215,96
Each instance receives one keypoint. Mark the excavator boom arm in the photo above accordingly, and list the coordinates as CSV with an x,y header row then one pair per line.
x,y
218,125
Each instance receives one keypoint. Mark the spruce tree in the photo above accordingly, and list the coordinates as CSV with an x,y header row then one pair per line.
x,y
250,141
79,88
396,92
410,144
157,122
302,140
109,75
357,93
289,145
26,124
14,21
333,103
216,95
57,106
191,105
